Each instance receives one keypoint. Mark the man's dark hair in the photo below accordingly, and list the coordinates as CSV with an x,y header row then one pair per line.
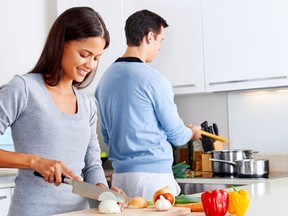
x,y
140,23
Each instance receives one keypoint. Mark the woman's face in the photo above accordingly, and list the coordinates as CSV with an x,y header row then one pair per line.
x,y
80,57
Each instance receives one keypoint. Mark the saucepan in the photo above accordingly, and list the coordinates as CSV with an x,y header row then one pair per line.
x,y
229,155
249,168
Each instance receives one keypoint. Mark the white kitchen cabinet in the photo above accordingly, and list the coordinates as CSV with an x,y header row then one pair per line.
x,y
5,200
245,44
181,56
210,45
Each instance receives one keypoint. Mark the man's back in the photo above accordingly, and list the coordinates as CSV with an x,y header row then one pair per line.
x,y
134,103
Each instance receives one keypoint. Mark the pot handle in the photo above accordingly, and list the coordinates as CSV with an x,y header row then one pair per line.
x,y
222,161
245,156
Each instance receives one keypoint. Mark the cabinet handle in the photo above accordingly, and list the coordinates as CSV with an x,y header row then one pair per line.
x,y
183,86
247,80
3,197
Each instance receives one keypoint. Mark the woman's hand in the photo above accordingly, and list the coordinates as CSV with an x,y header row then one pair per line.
x,y
52,170
119,190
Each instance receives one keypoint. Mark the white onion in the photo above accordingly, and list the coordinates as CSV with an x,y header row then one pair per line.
x,y
107,195
109,207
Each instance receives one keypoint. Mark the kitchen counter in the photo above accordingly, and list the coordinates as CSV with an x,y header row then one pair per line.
x,y
208,178
7,177
266,198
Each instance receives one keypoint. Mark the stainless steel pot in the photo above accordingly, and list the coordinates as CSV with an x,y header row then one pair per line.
x,y
249,168
219,168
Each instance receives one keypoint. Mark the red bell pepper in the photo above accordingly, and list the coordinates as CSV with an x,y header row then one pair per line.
x,y
215,203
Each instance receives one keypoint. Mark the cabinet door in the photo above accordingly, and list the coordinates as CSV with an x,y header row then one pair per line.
x,y
5,199
181,56
245,44
111,12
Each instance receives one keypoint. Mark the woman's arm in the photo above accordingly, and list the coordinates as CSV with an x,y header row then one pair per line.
x,y
16,159
51,170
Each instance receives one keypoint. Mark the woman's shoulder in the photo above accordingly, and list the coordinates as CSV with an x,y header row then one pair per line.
x,y
17,82
26,78
31,77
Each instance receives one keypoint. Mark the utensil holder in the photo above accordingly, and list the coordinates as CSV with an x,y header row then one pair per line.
x,y
206,163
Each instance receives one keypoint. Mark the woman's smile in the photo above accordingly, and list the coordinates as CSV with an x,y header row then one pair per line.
x,y
82,72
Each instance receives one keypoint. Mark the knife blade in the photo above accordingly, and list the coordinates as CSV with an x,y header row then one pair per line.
x,y
88,190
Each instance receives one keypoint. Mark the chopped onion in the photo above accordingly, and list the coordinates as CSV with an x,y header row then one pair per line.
x,y
107,195
109,207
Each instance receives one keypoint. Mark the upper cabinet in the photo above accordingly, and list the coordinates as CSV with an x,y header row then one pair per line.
x,y
245,44
221,45
210,45
181,56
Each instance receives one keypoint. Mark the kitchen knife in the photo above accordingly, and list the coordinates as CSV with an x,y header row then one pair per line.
x,y
88,190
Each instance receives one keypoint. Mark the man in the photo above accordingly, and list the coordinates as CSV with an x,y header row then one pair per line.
x,y
139,119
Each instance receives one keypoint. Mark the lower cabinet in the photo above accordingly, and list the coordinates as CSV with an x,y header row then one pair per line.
x,y
5,200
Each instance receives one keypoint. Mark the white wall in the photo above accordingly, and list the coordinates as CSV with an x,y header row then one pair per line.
x,y
195,109
24,26
259,121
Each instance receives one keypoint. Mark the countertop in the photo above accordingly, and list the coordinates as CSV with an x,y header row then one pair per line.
x,y
207,178
266,198
7,177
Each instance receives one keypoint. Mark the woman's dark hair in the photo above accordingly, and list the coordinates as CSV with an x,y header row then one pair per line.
x,y
74,24
140,23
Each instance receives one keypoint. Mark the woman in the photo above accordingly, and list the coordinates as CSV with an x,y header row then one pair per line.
x,y
53,124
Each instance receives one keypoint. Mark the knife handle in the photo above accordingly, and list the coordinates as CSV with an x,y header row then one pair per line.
x,y
213,136
215,128
64,178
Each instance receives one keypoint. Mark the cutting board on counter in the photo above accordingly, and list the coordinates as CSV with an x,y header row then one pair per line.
x,y
150,211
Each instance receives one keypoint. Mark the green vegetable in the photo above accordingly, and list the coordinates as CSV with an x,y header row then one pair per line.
x,y
150,202
184,199
180,170
180,165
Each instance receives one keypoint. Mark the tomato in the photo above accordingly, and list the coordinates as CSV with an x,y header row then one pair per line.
x,y
167,196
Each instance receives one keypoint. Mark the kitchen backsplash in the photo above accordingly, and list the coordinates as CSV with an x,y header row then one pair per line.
x,y
258,120
277,162
251,120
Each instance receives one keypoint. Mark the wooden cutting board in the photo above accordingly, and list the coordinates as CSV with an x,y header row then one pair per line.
x,y
150,211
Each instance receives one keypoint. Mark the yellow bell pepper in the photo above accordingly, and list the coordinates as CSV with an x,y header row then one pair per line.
x,y
238,202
